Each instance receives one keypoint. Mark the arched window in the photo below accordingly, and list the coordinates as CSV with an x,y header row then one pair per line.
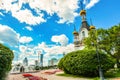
x,y
83,34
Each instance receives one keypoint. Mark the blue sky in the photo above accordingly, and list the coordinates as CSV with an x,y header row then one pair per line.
x,y
30,26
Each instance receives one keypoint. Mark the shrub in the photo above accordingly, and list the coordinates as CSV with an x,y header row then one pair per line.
x,y
37,67
85,63
6,57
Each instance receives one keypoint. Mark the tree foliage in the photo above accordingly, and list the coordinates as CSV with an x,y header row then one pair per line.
x,y
109,41
6,57
85,63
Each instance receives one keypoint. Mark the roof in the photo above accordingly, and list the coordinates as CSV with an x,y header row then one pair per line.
x,y
75,33
85,25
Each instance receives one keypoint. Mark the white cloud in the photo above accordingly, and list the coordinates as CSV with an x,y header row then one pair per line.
x,y
55,50
85,1
27,17
62,39
40,46
91,3
49,51
8,35
1,14
29,28
22,48
64,9
25,39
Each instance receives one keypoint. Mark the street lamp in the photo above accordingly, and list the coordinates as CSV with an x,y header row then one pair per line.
x,y
98,55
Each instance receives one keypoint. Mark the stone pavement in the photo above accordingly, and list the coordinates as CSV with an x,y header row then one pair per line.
x,y
41,74
48,76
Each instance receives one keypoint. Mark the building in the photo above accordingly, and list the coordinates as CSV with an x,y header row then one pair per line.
x,y
36,63
80,35
52,62
25,61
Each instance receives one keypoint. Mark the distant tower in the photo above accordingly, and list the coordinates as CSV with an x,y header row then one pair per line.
x,y
76,39
36,63
41,60
25,61
52,62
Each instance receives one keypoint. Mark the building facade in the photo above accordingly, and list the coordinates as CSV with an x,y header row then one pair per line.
x,y
25,62
80,35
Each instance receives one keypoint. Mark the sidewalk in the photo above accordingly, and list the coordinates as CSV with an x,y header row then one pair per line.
x,y
41,74
48,76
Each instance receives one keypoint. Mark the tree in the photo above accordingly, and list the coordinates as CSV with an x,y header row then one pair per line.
x,y
109,41
6,57
85,63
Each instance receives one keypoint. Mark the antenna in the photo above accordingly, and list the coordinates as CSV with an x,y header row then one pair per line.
x,y
74,27
91,21
85,3
81,5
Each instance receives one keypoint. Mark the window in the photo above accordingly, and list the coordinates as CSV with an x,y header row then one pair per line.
x,y
83,34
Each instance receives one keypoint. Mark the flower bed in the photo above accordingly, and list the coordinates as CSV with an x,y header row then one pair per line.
x,y
27,75
31,77
36,78
52,72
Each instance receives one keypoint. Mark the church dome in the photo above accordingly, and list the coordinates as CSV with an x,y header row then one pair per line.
x,y
75,33
92,27
82,12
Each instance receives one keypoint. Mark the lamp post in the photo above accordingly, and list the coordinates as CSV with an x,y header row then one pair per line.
x,y
98,55
99,67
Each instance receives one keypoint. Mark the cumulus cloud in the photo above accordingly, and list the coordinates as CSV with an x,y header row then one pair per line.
x,y
22,48
1,14
54,49
29,28
64,9
49,51
62,39
25,51
8,35
25,39
91,3
27,17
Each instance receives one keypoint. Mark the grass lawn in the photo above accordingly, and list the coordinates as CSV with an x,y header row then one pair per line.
x,y
110,75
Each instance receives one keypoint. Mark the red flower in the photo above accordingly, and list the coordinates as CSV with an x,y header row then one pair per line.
x,y
27,75
34,78
31,77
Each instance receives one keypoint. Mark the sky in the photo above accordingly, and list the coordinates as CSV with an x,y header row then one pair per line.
x,y
29,27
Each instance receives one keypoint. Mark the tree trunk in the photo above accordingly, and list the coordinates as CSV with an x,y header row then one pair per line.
x,y
118,63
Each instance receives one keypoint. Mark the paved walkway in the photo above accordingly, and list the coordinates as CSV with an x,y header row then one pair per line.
x,y
41,74
49,77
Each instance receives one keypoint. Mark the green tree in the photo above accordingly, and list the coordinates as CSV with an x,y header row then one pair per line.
x,y
6,57
85,63
109,41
